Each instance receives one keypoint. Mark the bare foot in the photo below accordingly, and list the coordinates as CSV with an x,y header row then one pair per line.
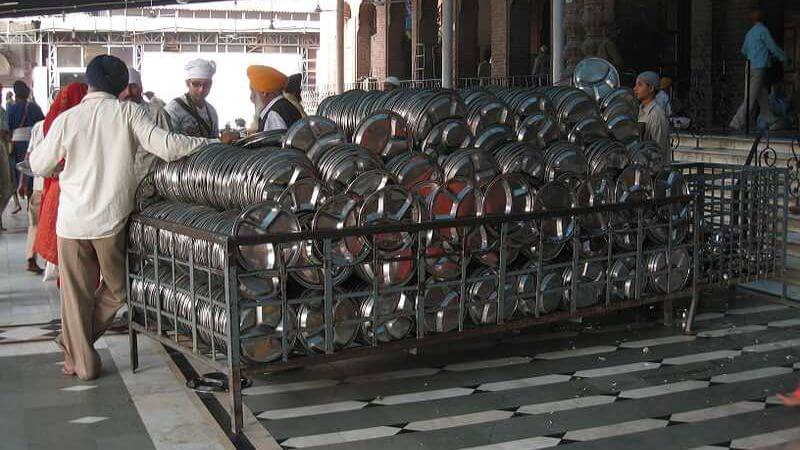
x,y
68,370
792,399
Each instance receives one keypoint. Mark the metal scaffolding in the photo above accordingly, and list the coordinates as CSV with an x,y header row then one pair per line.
x,y
304,44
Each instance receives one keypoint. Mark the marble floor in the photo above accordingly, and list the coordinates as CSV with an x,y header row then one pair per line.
x,y
624,382
41,409
617,384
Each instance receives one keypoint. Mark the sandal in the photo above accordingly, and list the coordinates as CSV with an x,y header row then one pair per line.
x,y
214,382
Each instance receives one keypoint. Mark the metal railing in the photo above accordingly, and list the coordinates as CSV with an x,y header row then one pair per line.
x,y
191,334
732,228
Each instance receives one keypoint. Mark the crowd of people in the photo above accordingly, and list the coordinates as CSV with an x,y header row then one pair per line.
x,y
86,157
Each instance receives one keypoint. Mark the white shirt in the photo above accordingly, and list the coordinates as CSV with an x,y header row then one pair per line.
x,y
37,136
656,126
21,134
274,120
98,140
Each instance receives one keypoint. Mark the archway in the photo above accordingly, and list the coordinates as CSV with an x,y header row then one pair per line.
x,y
399,39
529,30
474,36
429,48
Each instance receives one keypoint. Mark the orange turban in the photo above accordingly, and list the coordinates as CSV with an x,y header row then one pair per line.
x,y
266,79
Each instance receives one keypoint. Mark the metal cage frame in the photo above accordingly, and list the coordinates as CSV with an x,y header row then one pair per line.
x,y
716,201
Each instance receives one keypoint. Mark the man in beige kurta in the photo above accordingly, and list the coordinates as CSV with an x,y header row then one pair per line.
x,y
98,140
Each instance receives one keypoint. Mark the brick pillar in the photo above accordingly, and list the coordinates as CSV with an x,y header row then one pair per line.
x,y
500,32
574,32
700,103
379,41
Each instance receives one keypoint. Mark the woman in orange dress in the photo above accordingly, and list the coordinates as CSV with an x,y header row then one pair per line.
x,y
46,239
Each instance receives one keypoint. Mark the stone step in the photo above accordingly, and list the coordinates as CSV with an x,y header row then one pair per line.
x,y
793,263
728,155
736,143
794,222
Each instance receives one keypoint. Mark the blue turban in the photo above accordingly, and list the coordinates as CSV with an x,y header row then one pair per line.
x,y
650,78
108,74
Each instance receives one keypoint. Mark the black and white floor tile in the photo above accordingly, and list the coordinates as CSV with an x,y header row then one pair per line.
x,y
29,333
638,387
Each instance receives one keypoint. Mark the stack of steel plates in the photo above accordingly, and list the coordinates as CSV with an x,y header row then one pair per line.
x,y
405,157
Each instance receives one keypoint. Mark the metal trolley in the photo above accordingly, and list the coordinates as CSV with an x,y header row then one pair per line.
x,y
188,291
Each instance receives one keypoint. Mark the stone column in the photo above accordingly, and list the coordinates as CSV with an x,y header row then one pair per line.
x,y
379,39
572,25
500,31
700,98
592,24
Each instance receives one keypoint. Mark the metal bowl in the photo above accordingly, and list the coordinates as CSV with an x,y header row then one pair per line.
x,y
304,133
441,308
311,322
591,288
482,298
597,77
676,266
394,314
384,133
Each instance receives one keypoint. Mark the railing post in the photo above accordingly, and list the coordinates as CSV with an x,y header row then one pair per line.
x,y
234,357
747,100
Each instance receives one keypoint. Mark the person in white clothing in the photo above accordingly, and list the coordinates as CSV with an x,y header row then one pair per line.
x,y
656,124
34,203
191,114
133,93
98,140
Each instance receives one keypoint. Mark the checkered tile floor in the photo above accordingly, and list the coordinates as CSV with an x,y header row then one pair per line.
x,y
620,387
35,333
30,333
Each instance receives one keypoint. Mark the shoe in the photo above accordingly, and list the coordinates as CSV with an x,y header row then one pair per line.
x,y
33,267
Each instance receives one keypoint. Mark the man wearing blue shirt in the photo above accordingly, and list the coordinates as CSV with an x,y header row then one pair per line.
x,y
21,116
758,48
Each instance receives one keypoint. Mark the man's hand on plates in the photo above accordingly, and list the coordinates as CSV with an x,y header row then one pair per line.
x,y
229,137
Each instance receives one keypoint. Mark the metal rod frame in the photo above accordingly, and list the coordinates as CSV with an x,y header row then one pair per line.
x,y
738,199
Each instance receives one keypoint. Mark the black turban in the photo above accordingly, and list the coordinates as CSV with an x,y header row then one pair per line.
x,y
21,90
108,74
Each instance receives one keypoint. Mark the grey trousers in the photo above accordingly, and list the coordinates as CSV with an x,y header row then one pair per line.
x,y
758,94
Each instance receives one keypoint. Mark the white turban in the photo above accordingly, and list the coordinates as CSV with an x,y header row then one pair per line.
x,y
134,77
200,69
